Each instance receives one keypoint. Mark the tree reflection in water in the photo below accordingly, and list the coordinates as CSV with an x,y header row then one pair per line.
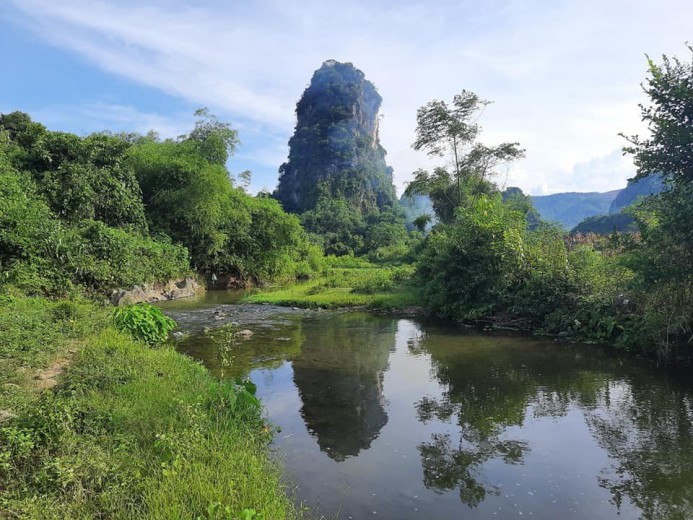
x,y
447,467
642,420
647,430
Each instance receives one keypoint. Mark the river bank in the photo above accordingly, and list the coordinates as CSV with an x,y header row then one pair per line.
x,y
96,424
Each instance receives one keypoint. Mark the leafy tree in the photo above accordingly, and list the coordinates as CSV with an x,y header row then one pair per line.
x,y
665,259
452,131
189,196
669,117
669,151
214,140
80,178
337,226
273,243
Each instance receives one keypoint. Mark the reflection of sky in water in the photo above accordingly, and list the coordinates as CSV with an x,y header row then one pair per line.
x,y
428,423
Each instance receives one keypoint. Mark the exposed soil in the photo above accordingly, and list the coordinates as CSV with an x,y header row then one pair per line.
x,y
48,377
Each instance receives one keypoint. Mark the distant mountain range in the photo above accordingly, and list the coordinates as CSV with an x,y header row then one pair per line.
x,y
596,212
591,211
641,188
569,209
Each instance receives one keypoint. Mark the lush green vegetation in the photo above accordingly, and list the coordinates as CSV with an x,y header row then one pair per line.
x,y
359,285
487,259
108,211
130,432
94,422
138,432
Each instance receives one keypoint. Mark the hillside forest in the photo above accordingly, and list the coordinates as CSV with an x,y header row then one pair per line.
x,y
85,215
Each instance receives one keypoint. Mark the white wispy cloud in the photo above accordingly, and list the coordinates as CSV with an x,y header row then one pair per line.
x,y
564,75
91,117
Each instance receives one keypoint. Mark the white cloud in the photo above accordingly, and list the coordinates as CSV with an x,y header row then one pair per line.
x,y
99,116
564,75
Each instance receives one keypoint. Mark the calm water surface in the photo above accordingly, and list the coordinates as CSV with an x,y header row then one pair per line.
x,y
383,417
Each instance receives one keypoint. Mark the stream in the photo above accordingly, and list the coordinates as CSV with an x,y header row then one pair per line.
x,y
383,417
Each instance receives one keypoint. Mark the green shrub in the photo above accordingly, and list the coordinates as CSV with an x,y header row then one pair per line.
x,y
466,267
104,258
374,281
144,322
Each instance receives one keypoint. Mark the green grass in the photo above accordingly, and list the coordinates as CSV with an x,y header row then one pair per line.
x,y
33,332
375,288
130,432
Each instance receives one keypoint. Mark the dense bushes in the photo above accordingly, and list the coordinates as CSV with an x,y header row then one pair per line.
x,y
467,267
79,178
41,254
489,264
108,211
491,258
189,196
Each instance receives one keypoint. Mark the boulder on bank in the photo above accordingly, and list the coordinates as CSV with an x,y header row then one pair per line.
x,y
155,293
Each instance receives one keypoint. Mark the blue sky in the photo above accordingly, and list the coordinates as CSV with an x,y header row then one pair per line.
x,y
564,75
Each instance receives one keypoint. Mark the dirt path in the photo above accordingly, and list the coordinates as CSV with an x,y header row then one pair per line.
x,y
48,377
43,379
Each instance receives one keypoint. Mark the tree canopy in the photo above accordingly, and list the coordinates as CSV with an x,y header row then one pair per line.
x,y
107,211
451,132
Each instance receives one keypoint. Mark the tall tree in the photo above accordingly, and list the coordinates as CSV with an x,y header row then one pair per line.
x,y
452,131
665,259
669,148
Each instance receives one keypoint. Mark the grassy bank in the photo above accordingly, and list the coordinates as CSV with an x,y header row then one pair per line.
x,y
129,431
371,287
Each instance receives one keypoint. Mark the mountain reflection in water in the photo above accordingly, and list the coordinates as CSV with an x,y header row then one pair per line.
x,y
340,381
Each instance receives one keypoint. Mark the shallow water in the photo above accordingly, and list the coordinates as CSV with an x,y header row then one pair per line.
x,y
382,417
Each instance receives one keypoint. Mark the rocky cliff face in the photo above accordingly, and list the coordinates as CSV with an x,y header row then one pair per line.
x,y
335,151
